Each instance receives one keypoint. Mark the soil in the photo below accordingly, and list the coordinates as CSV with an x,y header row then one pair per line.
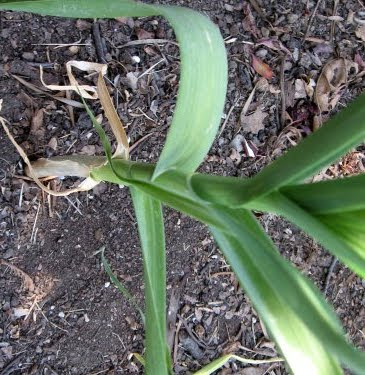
x,y
73,321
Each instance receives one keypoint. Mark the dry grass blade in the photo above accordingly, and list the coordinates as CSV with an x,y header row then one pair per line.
x,y
38,90
114,120
218,363
84,186
26,279
83,90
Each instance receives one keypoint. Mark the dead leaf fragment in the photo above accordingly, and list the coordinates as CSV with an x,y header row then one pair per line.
x,y
26,279
274,44
144,34
332,80
360,32
300,89
262,68
249,23
255,122
37,129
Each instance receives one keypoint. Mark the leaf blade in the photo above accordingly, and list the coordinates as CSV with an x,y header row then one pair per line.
x,y
151,233
204,74
275,302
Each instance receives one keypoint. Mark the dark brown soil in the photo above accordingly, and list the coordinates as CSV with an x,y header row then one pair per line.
x,y
75,321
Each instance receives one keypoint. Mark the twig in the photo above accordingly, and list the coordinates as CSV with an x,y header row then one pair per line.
x,y
21,196
151,68
329,274
98,42
35,223
147,41
51,323
333,25
228,116
258,9
12,366
283,92
311,19
74,205
191,334
176,340
137,143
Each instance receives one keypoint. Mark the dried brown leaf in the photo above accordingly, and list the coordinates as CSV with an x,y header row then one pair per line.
x,y
331,81
262,68
360,32
114,120
37,129
254,122
26,279
249,22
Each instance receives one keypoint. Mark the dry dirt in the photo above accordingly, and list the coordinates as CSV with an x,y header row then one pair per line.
x,y
75,321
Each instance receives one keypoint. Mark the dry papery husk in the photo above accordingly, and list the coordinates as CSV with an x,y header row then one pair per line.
x,y
76,165
332,80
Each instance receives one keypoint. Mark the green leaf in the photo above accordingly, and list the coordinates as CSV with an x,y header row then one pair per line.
x,y
151,234
346,241
202,91
120,286
343,132
81,8
345,194
299,319
305,329
203,82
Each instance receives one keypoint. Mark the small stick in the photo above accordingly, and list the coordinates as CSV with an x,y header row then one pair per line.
x,y
333,26
176,340
98,43
150,68
73,205
311,19
191,334
147,41
35,222
21,196
329,274
135,144
228,116
283,92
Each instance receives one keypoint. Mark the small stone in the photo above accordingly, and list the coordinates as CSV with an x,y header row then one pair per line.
x,y
98,234
83,25
29,56
74,49
6,306
293,18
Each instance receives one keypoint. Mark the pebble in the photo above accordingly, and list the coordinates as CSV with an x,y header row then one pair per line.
x,y
29,56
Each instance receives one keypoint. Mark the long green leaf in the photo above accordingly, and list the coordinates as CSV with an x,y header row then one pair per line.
x,y
343,132
345,194
326,229
266,277
81,8
151,233
305,330
203,80
202,91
